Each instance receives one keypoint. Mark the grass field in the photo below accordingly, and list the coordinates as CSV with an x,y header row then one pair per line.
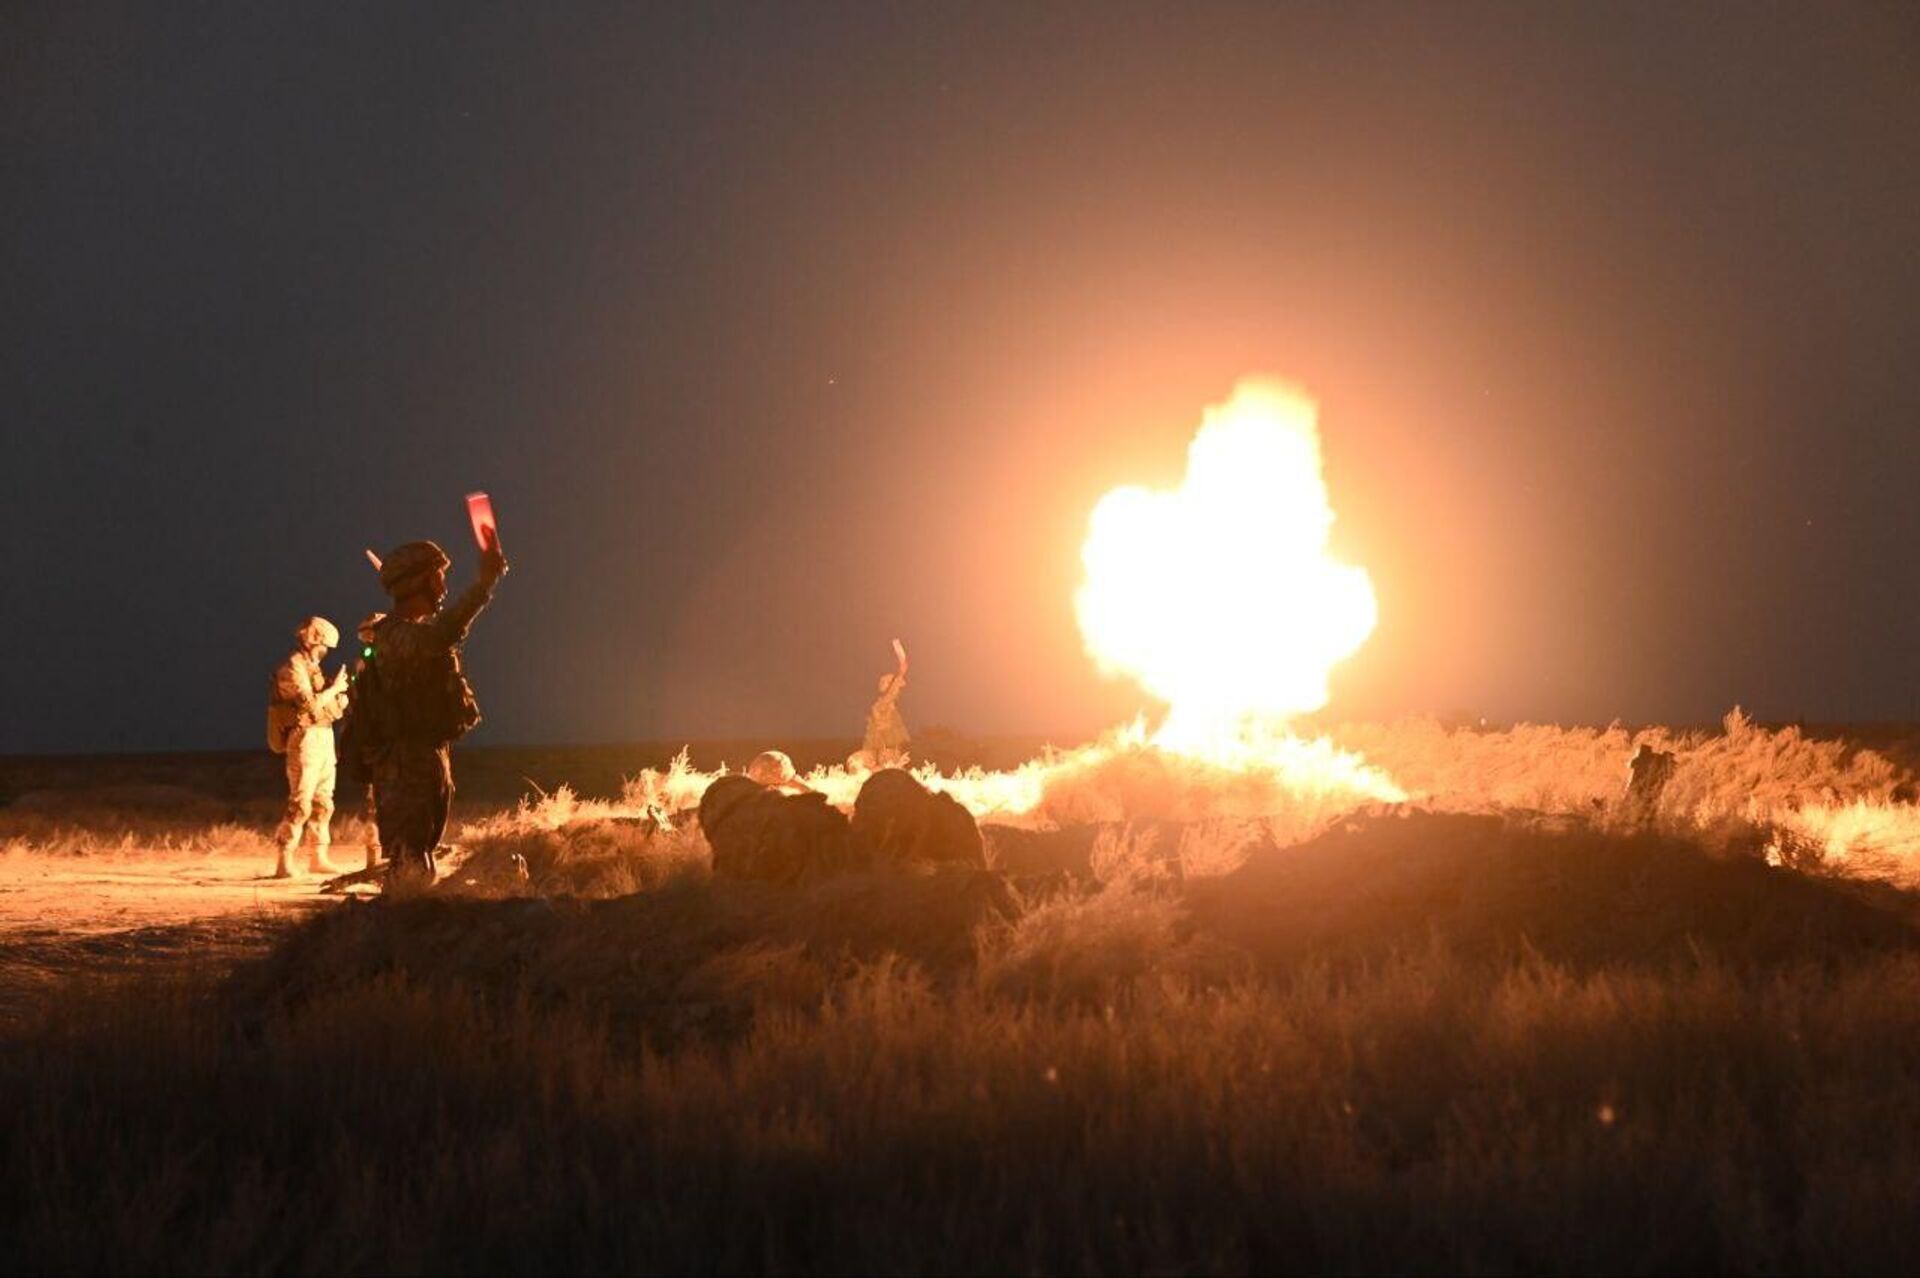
x,y
1497,1029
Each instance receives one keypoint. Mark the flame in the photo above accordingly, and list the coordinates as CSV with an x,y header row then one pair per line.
x,y
1126,775
1219,597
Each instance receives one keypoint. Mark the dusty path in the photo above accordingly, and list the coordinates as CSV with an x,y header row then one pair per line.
x,y
134,911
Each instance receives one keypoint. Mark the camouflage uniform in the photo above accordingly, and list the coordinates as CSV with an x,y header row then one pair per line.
x,y
427,705
413,792
886,741
363,782
758,833
309,706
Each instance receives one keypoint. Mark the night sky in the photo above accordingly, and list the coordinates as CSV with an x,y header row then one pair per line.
x,y
777,331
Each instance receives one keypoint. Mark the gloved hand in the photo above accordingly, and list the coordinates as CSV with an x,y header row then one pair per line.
x,y
493,561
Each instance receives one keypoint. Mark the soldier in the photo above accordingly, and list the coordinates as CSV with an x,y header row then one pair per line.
x,y
361,782
300,725
1648,773
419,701
885,745
774,770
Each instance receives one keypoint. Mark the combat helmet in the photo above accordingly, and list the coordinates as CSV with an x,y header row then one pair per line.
x,y
773,769
403,566
318,630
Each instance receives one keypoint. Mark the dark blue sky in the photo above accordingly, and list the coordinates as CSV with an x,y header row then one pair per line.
x,y
777,330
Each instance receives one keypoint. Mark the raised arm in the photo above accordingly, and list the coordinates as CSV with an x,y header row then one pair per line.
x,y
451,624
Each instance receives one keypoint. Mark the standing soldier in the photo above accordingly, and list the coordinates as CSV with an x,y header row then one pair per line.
x,y
885,745
357,776
300,725
417,701
1648,773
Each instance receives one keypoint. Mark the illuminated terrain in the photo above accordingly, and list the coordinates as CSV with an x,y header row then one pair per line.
x,y
1220,991
1301,1036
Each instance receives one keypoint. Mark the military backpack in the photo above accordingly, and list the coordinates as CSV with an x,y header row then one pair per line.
x,y
426,700
282,716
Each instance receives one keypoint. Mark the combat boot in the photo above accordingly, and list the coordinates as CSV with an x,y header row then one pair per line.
x,y
409,872
322,863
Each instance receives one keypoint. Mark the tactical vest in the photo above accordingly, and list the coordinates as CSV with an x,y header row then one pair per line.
x,y
423,694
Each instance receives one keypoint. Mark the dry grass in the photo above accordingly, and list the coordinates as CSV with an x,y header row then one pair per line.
x,y
1811,802
1815,803
117,834
1436,1042
1734,772
1823,805
579,848
1092,1101
1432,1040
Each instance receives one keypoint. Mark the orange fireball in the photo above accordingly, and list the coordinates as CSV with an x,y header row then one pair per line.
x,y
1220,596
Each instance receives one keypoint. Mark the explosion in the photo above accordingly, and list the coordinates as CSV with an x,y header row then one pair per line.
x,y
1219,597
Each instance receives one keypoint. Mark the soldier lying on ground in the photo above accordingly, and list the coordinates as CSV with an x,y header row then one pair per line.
x,y
774,770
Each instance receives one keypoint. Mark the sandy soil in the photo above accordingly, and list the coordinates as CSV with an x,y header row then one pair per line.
x,y
111,909
94,894
68,916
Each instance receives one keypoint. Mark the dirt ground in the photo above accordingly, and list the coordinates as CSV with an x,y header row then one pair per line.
x,y
63,916
131,864
144,866
87,896
93,880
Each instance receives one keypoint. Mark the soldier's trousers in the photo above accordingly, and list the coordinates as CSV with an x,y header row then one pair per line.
x,y
412,792
310,774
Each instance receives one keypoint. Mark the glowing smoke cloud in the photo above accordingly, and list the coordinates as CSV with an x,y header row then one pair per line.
x,y
1219,597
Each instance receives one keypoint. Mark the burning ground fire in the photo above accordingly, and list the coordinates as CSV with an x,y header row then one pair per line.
x,y
1220,599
